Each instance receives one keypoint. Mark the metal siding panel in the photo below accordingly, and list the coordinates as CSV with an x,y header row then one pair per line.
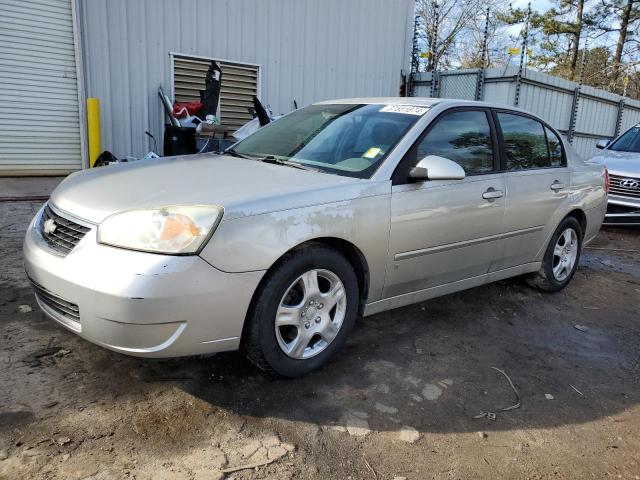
x,y
307,50
630,117
38,77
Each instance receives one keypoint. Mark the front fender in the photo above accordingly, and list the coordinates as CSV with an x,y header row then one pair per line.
x,y
256,242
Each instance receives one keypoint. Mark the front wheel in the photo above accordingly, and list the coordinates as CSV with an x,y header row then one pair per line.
x,y
561,257
303,312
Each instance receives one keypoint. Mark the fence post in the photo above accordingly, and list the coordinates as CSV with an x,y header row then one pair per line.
x,y
522,54
435,84
576,95
619,117
574,114
483,59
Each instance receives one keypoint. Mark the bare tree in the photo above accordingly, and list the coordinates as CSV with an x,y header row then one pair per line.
x,y
443,24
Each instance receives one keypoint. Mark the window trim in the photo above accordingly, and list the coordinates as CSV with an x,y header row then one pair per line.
x,y
401,172
503,151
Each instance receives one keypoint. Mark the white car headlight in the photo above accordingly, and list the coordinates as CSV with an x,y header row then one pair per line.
x,y
173,229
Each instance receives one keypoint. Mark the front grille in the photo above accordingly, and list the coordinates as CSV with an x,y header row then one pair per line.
x,y
65,235
59,305
616,188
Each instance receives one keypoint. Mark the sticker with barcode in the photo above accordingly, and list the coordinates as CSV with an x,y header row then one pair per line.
x,y
406,109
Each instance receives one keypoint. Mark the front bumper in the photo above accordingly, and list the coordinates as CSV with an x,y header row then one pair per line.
x,y
622,211
137,303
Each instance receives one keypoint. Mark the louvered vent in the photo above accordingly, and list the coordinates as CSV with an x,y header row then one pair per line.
x,y
239,86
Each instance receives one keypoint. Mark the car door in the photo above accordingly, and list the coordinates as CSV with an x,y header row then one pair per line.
x,y
537,182
444,231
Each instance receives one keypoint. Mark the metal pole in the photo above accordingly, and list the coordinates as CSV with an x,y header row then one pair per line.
x,y
522,54
93,129
619,117
415,58
433,91
573,120
483,61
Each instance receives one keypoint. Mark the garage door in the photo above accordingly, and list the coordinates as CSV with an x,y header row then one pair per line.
x,y
39,118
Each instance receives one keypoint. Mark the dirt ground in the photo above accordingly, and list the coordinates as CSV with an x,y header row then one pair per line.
x,y
398,402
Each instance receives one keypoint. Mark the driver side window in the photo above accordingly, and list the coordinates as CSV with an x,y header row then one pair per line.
x,y
464,137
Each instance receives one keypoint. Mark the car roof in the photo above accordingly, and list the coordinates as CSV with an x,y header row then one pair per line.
x,y
419,101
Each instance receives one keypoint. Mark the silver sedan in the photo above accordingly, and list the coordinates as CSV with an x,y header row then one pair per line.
x,y
338,210
622,159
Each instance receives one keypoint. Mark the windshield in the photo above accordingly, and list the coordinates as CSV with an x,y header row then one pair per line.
x,y
350,140
628,142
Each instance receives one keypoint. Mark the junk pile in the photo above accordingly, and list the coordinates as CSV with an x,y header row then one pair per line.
x,y
195,127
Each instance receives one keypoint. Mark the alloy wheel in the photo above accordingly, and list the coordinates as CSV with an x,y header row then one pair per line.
x,y
310,314
565,254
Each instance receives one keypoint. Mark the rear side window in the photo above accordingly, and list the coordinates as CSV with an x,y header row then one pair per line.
x,y
555,148
464,137
524,142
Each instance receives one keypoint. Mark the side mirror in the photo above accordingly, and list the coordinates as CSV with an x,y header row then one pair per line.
x,y
602,144
433,167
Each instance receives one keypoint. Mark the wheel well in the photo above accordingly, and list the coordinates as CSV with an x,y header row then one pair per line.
x,y
348,249
353,255
356,259
582,219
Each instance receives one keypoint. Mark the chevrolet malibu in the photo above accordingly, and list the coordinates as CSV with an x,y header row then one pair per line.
x,y
338,210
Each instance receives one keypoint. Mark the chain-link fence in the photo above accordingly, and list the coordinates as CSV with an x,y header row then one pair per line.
x,y
583,114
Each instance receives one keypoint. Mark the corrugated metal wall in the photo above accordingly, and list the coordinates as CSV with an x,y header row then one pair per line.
x,y
549,97
308,50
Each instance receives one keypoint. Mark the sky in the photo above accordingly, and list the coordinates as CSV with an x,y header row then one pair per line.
x,y
539,5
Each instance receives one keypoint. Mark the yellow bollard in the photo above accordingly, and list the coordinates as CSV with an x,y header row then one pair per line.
x,y
93,129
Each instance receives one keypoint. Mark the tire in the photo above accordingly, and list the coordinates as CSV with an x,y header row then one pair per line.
x,y
288,295
549,280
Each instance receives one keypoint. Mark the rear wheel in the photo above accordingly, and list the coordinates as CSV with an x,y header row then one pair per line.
x,y
561,258
303,312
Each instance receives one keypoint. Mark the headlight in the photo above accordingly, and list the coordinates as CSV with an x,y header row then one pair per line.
x,y
174,229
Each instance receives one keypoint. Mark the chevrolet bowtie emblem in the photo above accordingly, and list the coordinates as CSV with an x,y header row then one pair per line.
x,y
49,226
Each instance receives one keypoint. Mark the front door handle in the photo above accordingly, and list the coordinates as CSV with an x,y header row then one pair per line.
x,y
492,194
557,185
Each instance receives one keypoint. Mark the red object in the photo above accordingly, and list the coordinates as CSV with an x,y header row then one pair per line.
x,y
185,109
607,182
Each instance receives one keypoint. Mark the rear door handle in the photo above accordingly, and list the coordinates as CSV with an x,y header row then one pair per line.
x,y
557,185
492,194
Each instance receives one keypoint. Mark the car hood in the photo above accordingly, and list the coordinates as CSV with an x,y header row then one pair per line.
x,y
243,187
626,164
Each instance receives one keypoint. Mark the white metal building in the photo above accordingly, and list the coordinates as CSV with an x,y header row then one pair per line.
x,y
56,53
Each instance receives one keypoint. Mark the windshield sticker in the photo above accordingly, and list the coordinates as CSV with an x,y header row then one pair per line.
x,y
373,152
406,109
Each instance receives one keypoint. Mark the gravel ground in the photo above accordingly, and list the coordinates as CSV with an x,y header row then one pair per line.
x,y
399,402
